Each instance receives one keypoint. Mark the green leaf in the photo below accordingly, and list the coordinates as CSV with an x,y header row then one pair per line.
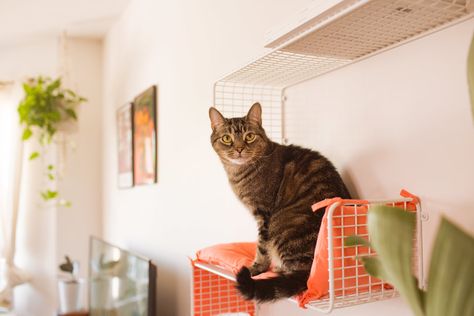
x,y
71,113
71,93
50,167
51,176
34,155
391,232
53,85
54,116
49,195
356,241
373,267
27,88
470,74
26,134
65,203
451,274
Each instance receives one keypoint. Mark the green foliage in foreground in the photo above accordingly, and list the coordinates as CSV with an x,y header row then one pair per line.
x,y
451,278
470,74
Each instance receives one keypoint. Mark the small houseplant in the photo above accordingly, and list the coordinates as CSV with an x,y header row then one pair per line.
x,y
71,288
47,108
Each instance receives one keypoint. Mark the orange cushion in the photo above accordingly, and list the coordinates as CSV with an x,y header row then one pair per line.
x,y
230,257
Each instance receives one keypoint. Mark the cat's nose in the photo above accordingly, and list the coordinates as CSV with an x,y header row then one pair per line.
x,y
239,149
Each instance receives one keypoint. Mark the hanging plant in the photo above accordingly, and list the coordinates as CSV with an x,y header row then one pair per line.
x,y
43,111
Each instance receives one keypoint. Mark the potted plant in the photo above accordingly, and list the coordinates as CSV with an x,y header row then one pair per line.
x,y
46,109
71,288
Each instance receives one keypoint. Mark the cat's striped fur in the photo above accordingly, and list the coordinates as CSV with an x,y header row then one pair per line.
x,y
278,184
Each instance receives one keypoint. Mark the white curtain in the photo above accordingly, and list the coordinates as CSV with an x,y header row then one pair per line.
x,y
11,154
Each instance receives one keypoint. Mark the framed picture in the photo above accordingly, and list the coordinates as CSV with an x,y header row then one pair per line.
x,y
145,137
125,145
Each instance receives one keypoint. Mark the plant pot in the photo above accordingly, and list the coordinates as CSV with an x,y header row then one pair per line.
x,y
71,295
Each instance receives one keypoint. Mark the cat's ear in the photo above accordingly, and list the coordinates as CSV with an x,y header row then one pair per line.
x,y
255,113
216,117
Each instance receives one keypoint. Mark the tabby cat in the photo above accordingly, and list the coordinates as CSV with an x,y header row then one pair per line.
x,y
278,184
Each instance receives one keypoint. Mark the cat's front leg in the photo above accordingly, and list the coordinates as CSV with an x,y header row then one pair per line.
x,y
262,259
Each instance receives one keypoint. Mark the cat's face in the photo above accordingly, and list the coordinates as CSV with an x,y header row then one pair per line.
x,y
240,140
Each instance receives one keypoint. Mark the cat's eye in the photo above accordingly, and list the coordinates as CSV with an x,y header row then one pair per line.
x,y
249,137
226,139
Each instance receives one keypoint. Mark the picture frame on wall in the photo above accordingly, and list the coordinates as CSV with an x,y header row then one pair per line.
x,y
145,149
125,145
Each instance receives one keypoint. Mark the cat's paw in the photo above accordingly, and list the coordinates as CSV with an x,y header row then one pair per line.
x,y
257,268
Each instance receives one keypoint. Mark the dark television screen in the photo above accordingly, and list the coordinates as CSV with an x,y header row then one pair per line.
x,y
121,283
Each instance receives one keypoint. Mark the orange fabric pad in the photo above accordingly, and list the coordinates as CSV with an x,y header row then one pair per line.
x,y
230,257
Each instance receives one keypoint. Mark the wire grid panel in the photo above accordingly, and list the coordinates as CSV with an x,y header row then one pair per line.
x,y
281,68
376,25
214,295
352,30
352,284
234,100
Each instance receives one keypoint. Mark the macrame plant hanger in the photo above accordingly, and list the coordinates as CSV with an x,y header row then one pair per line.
x,y
62,139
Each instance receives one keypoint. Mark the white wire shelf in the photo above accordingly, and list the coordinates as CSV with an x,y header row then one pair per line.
x,y
348,283
347,32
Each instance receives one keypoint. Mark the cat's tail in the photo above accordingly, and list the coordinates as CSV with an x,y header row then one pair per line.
x,y
263,290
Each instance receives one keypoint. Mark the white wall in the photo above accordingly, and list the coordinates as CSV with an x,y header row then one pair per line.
x,y
398,120
184,46
31,58
82,181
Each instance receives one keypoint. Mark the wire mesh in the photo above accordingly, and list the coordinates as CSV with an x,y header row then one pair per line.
x,y
281,68
214,292
214,295
352,30
364,30
376,25
234,100
352,284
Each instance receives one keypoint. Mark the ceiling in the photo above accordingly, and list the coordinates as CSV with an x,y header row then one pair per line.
x,y
25,19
